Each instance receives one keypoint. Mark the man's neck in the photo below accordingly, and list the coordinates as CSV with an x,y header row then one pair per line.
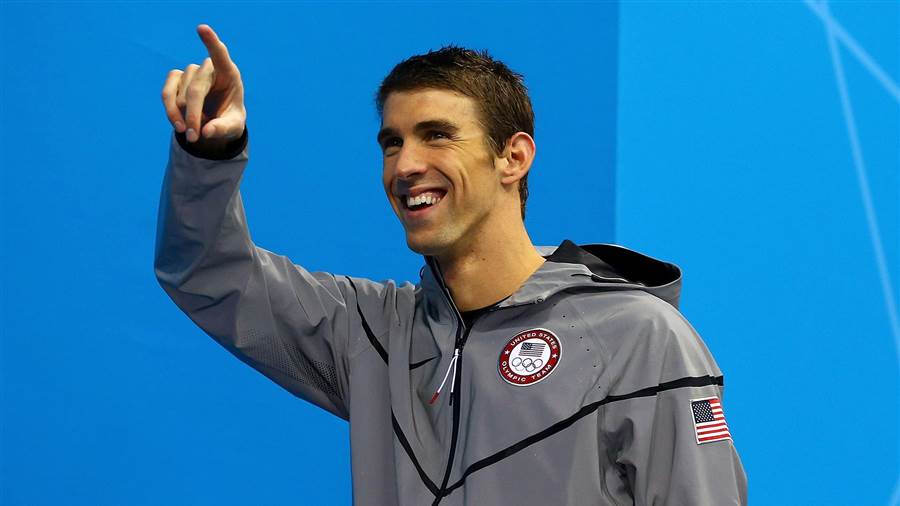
x,y
490,269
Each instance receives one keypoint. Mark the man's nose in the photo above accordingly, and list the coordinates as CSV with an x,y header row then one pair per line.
x,y
408,162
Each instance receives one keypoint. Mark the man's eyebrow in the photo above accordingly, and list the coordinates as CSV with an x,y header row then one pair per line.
x,y
422,126
437,124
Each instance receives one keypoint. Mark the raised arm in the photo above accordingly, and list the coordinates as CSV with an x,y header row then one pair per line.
x,y
297,327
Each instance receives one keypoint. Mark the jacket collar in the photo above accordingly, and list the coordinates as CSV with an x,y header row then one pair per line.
x,y
602,266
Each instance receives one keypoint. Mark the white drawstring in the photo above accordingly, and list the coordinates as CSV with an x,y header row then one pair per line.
x,y
446,375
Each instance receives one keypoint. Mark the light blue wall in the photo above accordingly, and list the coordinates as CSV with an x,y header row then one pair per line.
x,y
736,162
109,394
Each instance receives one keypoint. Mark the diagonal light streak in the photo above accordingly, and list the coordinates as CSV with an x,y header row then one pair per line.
x,y
862,179
836,30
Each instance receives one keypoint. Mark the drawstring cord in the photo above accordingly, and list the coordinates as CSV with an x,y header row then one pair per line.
x,y
447,375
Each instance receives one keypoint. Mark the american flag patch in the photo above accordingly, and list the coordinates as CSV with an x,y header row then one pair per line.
x,y
532,349
709,420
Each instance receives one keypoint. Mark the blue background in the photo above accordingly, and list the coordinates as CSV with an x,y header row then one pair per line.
x,y
713,135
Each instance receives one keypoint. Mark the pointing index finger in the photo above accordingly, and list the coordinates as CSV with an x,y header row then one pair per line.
x,y
217,50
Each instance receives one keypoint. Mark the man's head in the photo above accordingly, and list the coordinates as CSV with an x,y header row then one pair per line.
x,y
454,117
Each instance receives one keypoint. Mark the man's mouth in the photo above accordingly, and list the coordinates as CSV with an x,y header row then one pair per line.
x,y
418,203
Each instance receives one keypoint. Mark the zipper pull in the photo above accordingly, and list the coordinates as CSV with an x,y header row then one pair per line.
x,y
446,375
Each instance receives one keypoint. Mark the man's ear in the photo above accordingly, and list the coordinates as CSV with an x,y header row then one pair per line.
x,y
518,155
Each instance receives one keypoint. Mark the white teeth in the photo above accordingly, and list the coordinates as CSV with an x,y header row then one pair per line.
x,y
425,198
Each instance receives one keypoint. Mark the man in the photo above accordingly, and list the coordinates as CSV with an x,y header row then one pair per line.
x,y
508,375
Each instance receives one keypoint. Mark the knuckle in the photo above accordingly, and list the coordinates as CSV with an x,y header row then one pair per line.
x,y
197,87
195,90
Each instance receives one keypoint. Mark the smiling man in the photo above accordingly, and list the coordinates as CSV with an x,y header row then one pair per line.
x,y
509,373
457,196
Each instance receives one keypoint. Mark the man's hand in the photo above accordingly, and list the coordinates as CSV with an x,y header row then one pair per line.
x,y
207,101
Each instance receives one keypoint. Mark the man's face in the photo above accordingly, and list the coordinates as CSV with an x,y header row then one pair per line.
x,y
438,171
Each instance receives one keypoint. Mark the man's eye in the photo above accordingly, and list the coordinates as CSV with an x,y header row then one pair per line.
x,y
393,142
437,134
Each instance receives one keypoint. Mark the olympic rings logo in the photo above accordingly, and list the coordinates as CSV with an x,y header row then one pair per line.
x,y
527,364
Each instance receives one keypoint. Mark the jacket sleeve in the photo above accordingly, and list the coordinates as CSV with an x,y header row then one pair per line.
x,y
649,428
296,327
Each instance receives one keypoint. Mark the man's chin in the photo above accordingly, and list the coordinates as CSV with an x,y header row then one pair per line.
x,y
421,248
427,246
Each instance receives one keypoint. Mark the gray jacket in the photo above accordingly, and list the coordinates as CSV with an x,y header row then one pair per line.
x,y
586,386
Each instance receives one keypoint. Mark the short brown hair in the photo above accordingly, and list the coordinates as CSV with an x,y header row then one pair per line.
x,y
500,93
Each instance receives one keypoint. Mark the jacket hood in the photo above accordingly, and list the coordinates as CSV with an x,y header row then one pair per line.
x,y
602,266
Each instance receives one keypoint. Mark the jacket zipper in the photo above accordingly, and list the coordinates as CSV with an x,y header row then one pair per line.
x,y
462,334
454,401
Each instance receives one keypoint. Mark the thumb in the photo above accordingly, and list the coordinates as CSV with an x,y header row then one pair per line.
x,y
222,128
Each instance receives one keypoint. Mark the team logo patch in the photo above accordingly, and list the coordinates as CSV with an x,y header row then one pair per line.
x,y
529,357
709,420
